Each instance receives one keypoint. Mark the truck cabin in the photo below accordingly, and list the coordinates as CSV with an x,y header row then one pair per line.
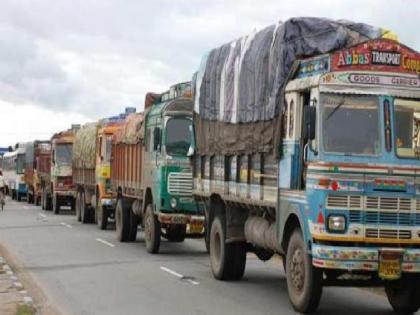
x,y
61,160
351,140
169,123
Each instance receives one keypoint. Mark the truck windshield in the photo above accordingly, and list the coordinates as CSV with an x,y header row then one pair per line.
x,y
20,163
350,124
108,148
63,154
407,128
178,136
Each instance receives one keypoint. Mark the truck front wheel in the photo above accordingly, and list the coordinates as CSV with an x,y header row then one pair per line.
x,y
404,294
78,212
227,260
84,211
304,281
101,216
122,221
151,231
176,232
56,204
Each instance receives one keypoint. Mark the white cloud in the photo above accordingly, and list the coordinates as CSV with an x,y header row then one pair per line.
x,y
92,58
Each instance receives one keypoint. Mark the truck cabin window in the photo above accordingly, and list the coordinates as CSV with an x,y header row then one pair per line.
x,y
178,136
407,128
63,154
108,148
350,124
20,163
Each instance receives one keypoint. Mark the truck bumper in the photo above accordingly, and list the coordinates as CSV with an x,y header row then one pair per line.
x,y
360,258
195,222
65,193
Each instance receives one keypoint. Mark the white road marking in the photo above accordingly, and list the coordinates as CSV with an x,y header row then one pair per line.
x,y
66,225
105,242
25,207
42,215
176,274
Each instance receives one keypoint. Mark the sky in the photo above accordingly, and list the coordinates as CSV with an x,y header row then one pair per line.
x,y
74,61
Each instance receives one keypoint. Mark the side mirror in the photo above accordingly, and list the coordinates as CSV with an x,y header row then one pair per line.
x,y
309,122
191,151
156,138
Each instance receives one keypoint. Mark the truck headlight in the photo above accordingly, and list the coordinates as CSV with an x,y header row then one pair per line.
x,y
336,223
173,202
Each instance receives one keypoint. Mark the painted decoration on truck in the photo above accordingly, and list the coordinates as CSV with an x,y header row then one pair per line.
x,y
383,55
313,66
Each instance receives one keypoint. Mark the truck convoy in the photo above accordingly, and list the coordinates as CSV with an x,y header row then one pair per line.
x,y
14,170
151,173
302,140
58,190
307,145
92,170
37,168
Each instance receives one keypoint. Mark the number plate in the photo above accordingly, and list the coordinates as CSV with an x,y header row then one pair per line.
x,y
390,266
196,228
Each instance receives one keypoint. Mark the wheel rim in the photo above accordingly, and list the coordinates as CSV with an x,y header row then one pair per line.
x,y
216,247
297,270
148,227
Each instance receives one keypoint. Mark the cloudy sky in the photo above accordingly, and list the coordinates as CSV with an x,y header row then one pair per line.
x,y
72,61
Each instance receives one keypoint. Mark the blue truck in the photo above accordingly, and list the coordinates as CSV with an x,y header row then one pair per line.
x,y
331,182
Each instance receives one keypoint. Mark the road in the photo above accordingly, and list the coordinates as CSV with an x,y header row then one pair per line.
x,y
83,270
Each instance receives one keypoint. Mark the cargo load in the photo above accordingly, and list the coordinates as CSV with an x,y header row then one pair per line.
x,y
84,146
239,87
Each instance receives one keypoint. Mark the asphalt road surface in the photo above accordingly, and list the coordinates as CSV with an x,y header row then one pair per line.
x,y
83,270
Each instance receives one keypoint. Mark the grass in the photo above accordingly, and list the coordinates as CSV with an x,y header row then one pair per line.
x,y
25,310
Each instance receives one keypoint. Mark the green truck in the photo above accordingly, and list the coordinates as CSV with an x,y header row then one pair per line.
x,y
151,172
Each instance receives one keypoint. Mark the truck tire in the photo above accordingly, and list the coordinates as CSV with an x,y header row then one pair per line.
x,y
77,206
48,202
227,260
84,211
304,281
28,198
176,232
404,294
55,204
37,200
18,197
43,200
101,217
134,224
122,221
151,231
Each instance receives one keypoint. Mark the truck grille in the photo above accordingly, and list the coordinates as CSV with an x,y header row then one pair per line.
x,y
388,233
180,184
344,201
349,202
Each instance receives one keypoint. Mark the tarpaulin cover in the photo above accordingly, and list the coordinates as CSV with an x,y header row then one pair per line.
x,y
84,146
240,86
132,131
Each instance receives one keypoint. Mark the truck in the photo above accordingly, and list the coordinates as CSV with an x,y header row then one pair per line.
x,y
151,173
37,168
307,146
14,172
58,189
95,201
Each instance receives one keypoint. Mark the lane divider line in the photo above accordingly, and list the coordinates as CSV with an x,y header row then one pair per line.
x,y
42,215
178,275
25,207
105,242
66,225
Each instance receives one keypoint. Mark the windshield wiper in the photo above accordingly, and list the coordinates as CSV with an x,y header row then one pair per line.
x,y
335,109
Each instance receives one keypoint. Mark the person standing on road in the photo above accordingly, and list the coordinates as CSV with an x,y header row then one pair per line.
x,y
2,190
